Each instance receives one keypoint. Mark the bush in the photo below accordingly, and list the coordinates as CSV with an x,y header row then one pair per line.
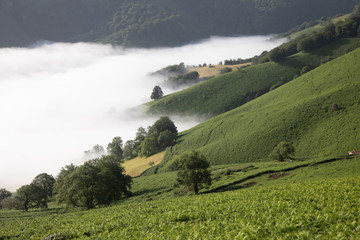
x,y
284,150
225,70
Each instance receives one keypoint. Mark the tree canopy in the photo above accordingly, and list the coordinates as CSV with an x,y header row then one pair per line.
x,y
115,148
42,187
157,93
282,151
193,171
4,193
96,182
162,134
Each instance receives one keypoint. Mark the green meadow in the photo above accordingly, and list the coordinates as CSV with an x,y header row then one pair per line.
x,y
325,209
299,111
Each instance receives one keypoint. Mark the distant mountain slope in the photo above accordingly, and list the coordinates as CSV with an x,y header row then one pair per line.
x,y
228,91
153,22
299,111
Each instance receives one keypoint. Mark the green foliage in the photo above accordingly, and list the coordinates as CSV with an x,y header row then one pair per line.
x,y
162,134
37,194
96,182
157,93
115,148
167,138
129,149
282,151
225,70
60,187
24,195
4,194
193,171
42,186
148,147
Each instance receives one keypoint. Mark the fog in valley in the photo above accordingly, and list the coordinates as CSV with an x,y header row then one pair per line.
x,y
58,100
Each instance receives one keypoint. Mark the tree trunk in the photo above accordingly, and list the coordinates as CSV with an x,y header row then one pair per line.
x,y
196,188
26,203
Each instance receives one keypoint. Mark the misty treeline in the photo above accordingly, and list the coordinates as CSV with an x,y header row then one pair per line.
x,y
100,180
177,75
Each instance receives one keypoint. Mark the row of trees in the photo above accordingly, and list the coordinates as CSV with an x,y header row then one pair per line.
x,y
162,134
236,61
349,28
36,194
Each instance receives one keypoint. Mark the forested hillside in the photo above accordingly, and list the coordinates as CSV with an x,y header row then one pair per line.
x,y
155,22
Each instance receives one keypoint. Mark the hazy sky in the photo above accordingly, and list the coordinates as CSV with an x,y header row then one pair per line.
x,y
58,100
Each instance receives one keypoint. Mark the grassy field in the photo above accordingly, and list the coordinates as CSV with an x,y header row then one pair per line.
x,y
324,209
206,72
302,199
136,166
228,91
299,111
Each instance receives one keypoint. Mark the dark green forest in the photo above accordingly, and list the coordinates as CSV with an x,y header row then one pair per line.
x,y
154,22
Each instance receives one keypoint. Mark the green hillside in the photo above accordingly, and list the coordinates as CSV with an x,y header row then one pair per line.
x,y
155,22
299,111
223,93
311,210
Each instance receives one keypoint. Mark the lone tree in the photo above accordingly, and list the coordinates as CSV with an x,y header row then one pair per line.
x,y
193,171
157,93
284,150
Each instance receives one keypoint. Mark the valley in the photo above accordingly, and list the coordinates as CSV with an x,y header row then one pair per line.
x,y
222,178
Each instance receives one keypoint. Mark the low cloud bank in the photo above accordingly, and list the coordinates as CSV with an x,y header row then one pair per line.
x,y
58,100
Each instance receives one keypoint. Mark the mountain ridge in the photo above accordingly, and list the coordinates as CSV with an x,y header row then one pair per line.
x,y
152,23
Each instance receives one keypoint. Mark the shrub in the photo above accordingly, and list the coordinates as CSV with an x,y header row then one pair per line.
x,y
284,150
225,70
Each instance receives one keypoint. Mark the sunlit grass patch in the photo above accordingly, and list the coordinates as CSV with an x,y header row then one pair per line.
x,y
136,166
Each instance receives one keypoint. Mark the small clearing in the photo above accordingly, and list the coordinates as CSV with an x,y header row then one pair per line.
x,y
206,72
136,166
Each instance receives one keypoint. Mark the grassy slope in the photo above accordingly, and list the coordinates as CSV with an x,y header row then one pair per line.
x,y
228,91
310,210
136,166
299,111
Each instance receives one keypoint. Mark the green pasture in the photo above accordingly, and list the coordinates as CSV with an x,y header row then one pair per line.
x,y
299,111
